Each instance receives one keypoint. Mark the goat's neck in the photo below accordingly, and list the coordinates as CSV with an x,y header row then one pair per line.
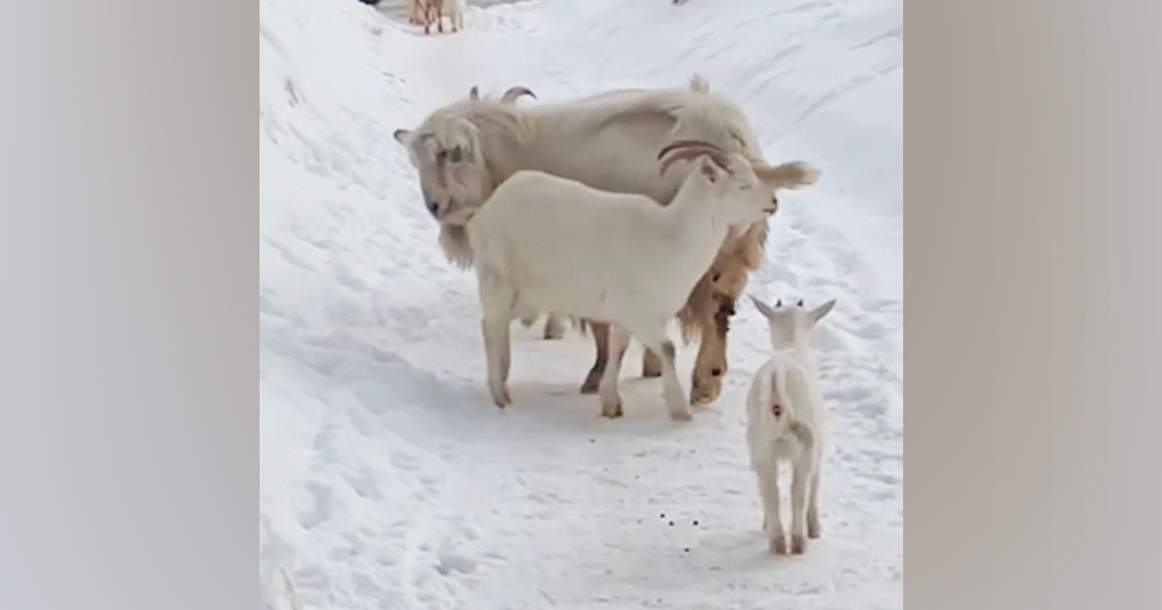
x,y
694,229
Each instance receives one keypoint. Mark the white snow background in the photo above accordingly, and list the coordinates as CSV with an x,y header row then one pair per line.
x,y
389,480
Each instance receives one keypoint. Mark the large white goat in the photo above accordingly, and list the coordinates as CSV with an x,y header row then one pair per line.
x,y
546,243
607,141
785,422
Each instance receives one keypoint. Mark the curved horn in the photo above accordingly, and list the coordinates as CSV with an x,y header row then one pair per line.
x,y
474,93
513,93
693,153
687,144
690,149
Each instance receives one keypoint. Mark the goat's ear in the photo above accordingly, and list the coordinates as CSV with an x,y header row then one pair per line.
x,y
791,175
401,136
762,307
817,314
474,93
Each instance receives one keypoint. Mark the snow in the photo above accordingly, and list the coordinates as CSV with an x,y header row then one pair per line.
x,y
387,477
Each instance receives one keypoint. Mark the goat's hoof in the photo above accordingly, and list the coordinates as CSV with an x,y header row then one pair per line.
x,y
651,365
649,372
798,544
592,382
813,530
501,398
702,394
612,410
778,545
681,415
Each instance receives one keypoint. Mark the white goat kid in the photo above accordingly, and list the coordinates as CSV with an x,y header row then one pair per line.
x,y
785,422
546,243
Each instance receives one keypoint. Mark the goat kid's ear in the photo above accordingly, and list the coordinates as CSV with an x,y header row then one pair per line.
x,y
762,307
402,135
817,314
791,175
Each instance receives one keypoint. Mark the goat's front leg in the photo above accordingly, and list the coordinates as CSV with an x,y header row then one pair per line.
x,y
610,396
498,352
601,342
800,481
814,530
653,337
768,478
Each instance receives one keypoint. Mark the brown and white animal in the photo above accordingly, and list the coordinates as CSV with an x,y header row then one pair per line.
x,y
546,243
785,422
428,12
608,141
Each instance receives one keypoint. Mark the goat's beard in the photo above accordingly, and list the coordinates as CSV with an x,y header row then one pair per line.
x,y
454,242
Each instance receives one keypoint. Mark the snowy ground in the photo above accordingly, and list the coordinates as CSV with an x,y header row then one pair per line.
x,y
388,479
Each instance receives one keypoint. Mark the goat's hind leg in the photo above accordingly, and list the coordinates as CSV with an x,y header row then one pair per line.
x,y
768,480
601,360
610,395
814,529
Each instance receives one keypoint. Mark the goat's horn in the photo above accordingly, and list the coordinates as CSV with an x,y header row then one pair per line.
x,y
693,153
474,93
688,149
513,93
688,144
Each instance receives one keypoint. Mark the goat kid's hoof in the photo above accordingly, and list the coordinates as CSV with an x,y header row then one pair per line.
x,y
813,530
798,544
778,545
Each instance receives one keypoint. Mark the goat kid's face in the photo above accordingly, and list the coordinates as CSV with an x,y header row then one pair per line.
x,y
453,178
790,322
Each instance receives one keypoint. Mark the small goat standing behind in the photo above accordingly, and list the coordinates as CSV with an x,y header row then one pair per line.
x,y
785,419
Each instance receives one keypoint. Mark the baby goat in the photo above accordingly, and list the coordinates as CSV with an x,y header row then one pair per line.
x,y
548,244
785,419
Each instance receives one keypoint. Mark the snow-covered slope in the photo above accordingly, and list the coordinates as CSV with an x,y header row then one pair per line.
x,y
387,478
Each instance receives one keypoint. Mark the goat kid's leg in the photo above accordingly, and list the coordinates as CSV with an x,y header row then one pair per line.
x,y
601,342
768,477
554,327
813,528
651,364
610,396
800,481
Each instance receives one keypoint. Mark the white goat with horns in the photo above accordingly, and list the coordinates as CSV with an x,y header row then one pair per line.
x,y
545,243
608,141
785,420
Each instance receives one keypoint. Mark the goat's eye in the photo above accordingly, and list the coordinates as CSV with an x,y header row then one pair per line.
x,y
456,155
